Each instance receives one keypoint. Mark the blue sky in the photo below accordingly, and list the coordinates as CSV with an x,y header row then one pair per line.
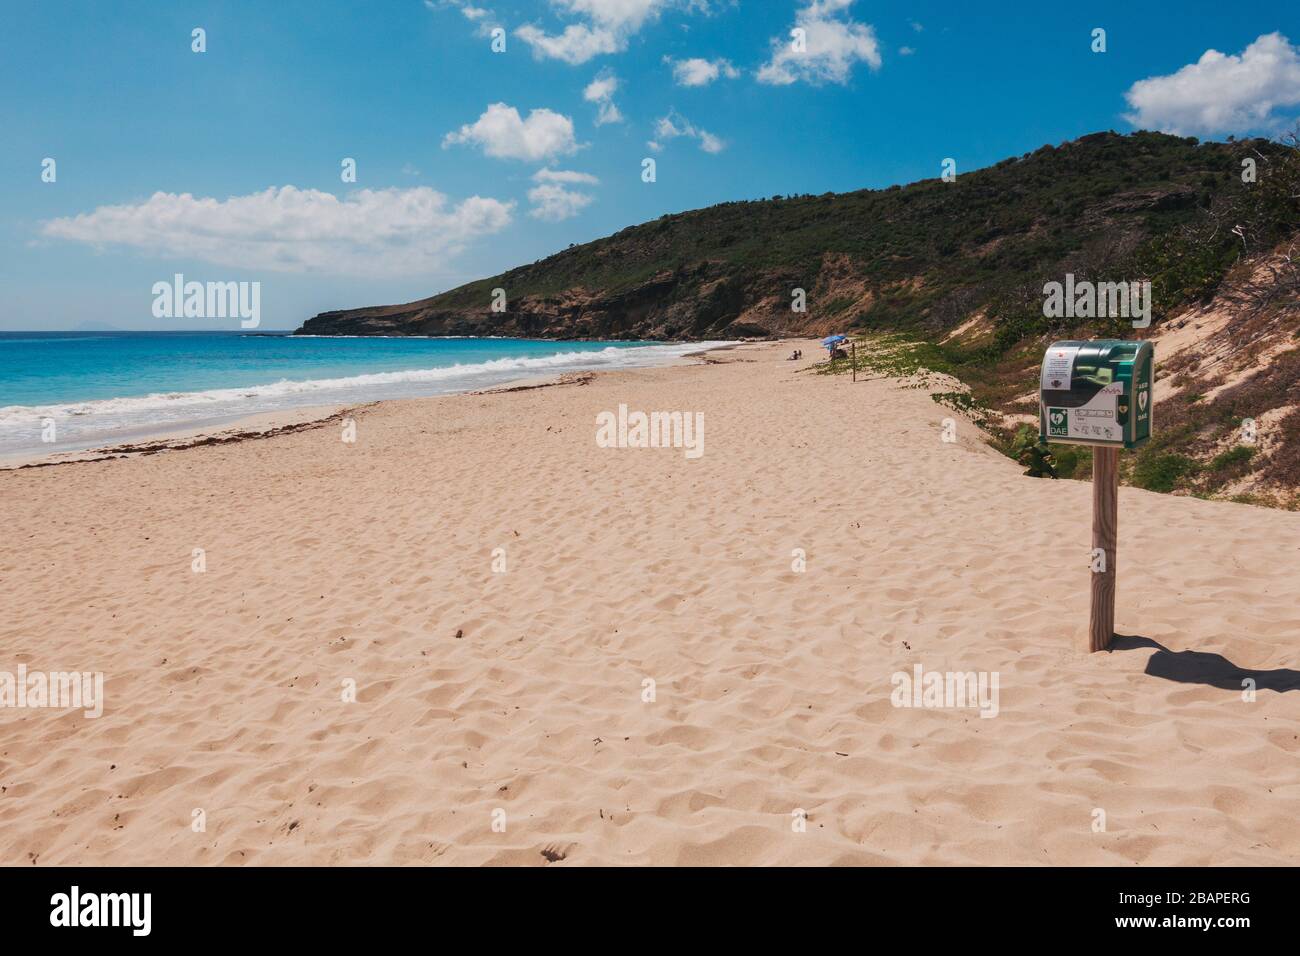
x,y
881,93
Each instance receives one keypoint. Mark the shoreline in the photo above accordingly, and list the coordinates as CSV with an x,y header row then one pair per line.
x,y
150,439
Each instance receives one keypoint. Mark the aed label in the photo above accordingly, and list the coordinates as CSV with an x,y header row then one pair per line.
x,y
1058,365
1096,421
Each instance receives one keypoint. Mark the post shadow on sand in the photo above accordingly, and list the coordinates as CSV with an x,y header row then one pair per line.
x,y
1198,667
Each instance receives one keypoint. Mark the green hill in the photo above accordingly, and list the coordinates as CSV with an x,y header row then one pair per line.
x,y
924,256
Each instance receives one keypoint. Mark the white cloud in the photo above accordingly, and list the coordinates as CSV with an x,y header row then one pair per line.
x,y
601,88
554,203
468,10
831,49
501,133
383,232
553,200
607,27
564,176
697,71
577,44
601,92
616,13
483,19
905,51
1220,93
619,14
674,125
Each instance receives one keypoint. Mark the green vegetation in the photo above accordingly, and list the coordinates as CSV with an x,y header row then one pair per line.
x,y
962,402
895,355
1104,207
1230,460
1162,471
1071,461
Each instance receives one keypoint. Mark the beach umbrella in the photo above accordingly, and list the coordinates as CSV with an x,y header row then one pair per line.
x,y
833,340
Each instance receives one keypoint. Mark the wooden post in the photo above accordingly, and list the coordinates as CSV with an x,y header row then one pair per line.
x,y
1105,526
853,346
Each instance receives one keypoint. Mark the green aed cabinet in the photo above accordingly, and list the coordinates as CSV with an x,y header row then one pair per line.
x,y
1096,392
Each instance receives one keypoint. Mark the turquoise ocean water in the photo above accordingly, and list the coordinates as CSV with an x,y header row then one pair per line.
x,y
100,387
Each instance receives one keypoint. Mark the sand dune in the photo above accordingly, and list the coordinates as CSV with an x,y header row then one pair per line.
x,y
522,691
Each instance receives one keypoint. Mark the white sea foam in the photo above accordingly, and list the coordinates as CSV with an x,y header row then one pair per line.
x,y
85,422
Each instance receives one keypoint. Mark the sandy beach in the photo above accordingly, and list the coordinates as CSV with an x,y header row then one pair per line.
x,y
567,654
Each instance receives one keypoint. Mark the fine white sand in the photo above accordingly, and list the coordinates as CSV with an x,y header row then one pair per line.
x,y
518,697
